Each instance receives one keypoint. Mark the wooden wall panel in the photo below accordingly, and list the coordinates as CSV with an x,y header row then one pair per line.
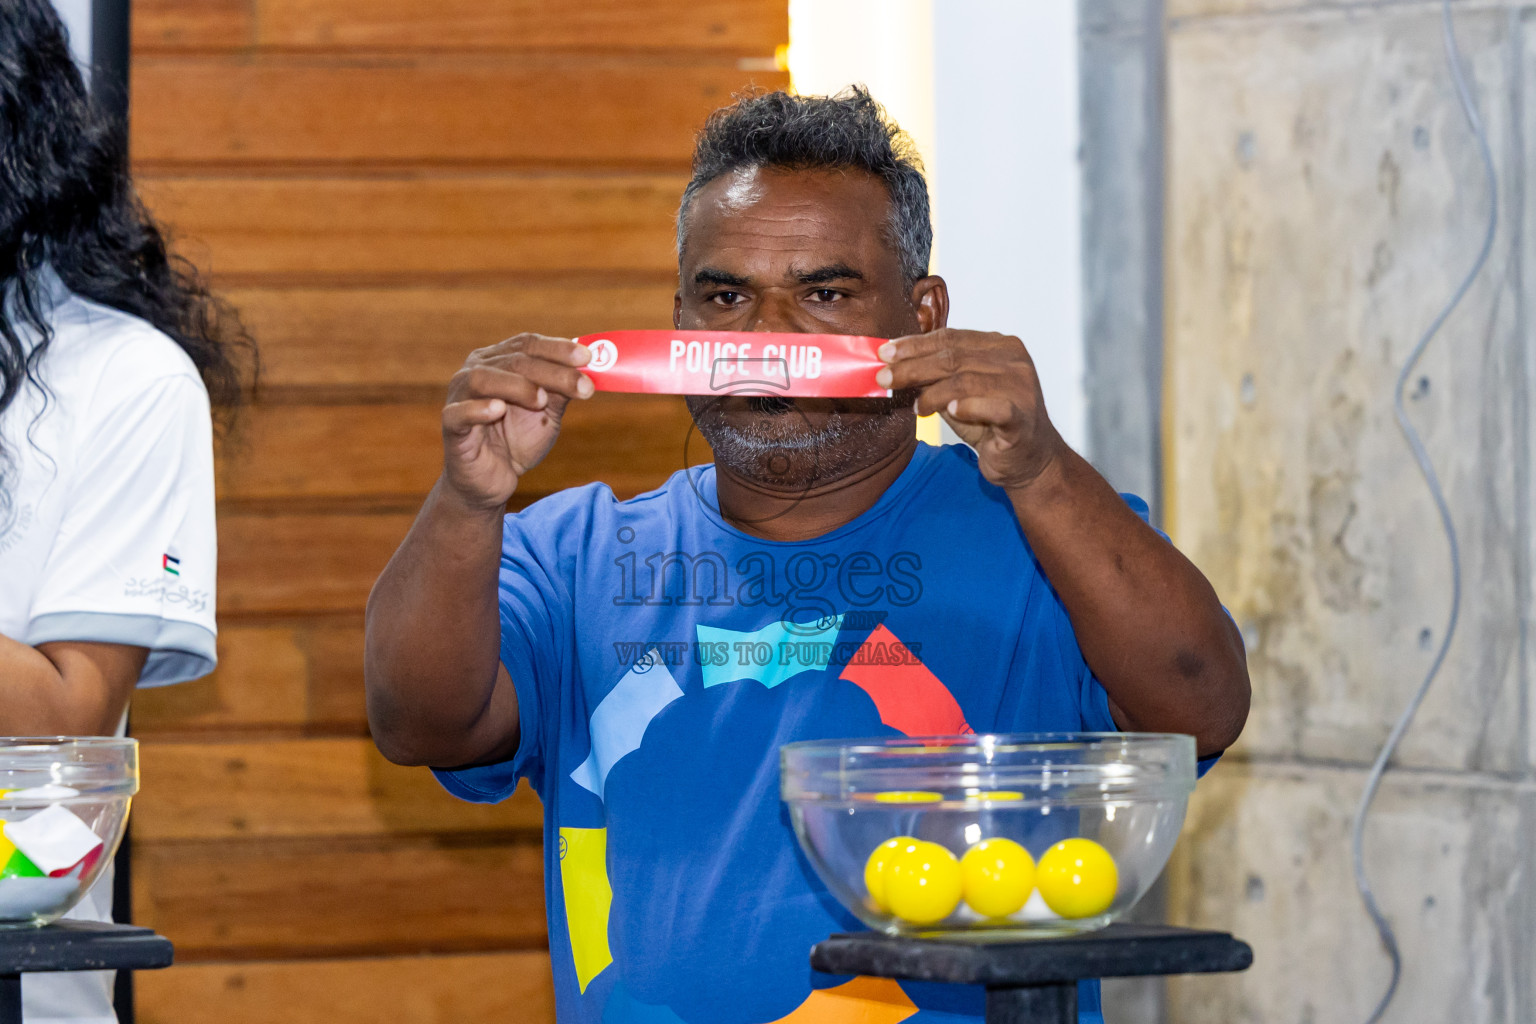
x,y
390,337
434,110
599,440
395,449
677,26
239,789
335,451
303,562
303,678
309,230
381,188
342,897
191,25
261,683
742,28
483,987
336,697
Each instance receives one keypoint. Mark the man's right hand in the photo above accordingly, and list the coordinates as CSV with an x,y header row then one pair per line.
x,y
503,414
437,691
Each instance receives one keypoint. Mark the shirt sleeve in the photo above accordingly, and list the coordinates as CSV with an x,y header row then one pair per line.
x,y
536,623
135,557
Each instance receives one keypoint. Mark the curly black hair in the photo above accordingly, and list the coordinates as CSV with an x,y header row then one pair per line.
x,y
849,130
67,200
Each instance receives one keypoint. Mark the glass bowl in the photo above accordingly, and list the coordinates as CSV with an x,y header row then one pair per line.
x,y
63,804
923,836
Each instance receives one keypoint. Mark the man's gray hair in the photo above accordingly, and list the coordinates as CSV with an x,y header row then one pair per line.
x,y
779,130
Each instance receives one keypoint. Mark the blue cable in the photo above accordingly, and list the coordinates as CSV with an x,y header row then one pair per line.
x,y
1373,781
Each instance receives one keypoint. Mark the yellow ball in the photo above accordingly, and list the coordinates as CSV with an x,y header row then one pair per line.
x,y
922,883
874,869
1077,878
996,877
908,797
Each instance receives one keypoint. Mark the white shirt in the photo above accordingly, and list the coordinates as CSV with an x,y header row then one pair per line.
x,y
107,530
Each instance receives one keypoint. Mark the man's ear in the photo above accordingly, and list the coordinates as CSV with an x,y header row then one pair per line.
x,y
930,297
677,309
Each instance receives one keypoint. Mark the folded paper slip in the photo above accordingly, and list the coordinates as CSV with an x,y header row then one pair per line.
x,y
53,839
735,363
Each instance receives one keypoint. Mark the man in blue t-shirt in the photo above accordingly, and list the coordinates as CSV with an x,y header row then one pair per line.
x,y
641,662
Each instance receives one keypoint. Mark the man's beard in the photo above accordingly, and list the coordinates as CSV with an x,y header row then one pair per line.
x,y
780,448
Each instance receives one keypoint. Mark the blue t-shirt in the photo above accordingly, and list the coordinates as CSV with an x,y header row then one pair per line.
x,y
661,658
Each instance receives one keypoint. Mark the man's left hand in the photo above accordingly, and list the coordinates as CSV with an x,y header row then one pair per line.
x,y
986,388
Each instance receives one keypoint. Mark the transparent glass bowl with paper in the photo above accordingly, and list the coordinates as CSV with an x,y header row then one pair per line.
x,y
63,804
990,835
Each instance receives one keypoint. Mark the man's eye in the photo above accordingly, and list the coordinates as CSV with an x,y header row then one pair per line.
x,y
726,298
826,295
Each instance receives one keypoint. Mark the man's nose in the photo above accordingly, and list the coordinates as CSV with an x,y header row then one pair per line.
x,y
779,314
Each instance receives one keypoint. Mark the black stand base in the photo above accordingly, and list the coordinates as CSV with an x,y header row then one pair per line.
x,y
73,946
1034,981
1032,1004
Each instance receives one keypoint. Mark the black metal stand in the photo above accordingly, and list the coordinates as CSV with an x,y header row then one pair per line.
x,y
73,946
1034,981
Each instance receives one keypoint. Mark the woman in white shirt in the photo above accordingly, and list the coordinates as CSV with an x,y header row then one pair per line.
x,y
110,351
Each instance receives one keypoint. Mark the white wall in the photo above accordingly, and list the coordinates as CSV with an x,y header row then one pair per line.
x,y
885,44
988,90
77,21
1006,117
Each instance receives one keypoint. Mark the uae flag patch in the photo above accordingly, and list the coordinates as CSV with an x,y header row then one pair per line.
x,y
171,563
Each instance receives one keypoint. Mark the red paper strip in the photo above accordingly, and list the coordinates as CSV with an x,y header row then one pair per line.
x,y
735,363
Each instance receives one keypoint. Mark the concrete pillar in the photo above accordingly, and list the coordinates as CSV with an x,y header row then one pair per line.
x,y
1324,198
1120,60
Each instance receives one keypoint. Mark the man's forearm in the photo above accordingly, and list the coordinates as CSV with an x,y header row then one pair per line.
x,y
432,647
1150,626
